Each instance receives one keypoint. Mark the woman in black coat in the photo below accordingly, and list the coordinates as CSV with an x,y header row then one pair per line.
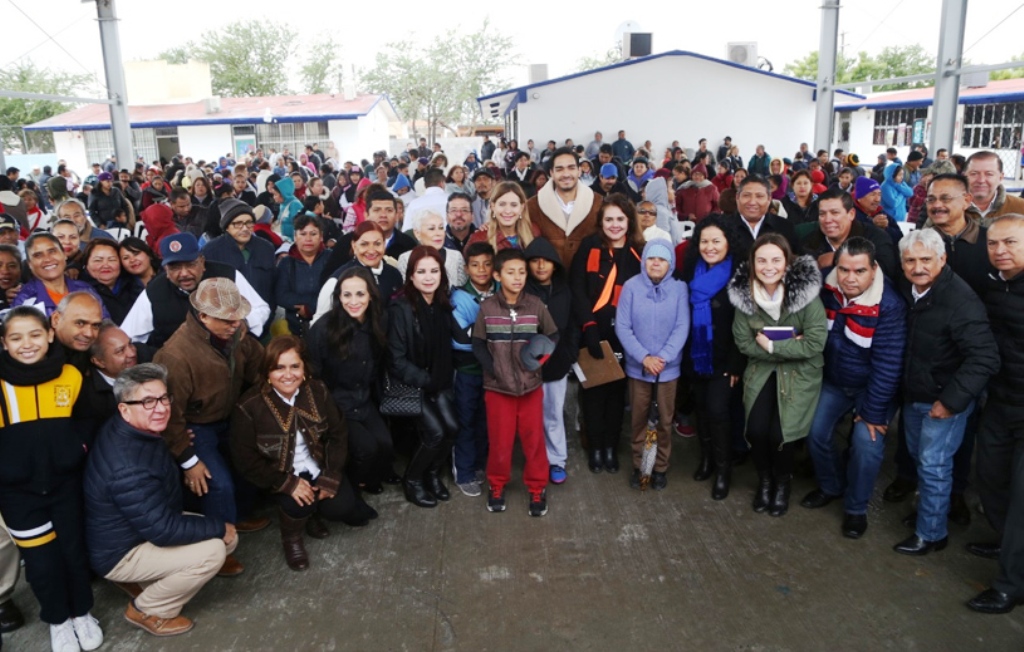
x,y
348,351
711,360
117,288
421,328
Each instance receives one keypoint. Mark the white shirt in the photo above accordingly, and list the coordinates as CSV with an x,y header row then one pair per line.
x,y
433,200
303,462
918,296
138,325
566,206
754,230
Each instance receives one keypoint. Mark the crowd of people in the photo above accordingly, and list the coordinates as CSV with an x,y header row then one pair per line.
x,y
187,341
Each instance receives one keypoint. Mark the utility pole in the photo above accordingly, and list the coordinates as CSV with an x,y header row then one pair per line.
x,y
947,74
826,94
120,125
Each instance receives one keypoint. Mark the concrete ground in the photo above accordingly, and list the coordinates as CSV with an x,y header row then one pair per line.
x,y
608,568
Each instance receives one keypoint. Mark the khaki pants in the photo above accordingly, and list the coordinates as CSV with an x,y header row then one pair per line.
x,y
640,402
174,574
10,564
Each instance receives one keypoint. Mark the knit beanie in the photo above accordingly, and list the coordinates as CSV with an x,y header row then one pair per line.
x,y
657,250
232,208
699,169
865,186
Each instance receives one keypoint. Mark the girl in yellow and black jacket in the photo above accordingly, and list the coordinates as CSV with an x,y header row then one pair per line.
x,y
41,458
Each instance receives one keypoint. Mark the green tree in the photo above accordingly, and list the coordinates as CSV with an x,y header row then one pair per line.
x,y
892,61
247,59
322,73
611,55
439,83
25,77
1011,73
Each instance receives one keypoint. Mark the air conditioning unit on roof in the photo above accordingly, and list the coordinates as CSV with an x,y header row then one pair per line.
x,y
744,53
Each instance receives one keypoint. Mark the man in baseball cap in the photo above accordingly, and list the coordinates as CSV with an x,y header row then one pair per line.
x,y
607,180
209,360
161,309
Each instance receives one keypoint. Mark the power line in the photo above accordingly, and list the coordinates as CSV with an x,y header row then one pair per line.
x,y
55,42
44,42
996,26
881,22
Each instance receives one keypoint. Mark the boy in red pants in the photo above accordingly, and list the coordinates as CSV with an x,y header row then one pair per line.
x,y
512,337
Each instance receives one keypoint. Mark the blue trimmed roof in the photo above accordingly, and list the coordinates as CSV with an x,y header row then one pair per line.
x,y
995,92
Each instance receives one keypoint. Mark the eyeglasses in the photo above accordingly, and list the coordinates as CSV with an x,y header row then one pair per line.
x,y
646,211
150,402
245,224
945,199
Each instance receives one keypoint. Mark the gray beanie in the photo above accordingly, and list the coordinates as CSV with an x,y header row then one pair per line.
x,y
232,208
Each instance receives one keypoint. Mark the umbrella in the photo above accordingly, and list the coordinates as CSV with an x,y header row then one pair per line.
x,y
650,453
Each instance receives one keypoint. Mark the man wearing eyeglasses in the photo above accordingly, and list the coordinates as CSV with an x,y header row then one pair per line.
x,y
460,221
136,530
161,309
254,257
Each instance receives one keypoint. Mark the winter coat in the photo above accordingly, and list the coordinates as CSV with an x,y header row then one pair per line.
x,y
259,267
895,195
263,437
151,195
967,254
796,213
566,235
297,283
699,200
588,278
33,293
103,207
501,332
558,298
657,194
725,357
653,319
866,340
797,363
951,353
892,229
1001,204
133,496
117,301
816,244
760,165
771,224
290,206
352,380
1004,301
159,222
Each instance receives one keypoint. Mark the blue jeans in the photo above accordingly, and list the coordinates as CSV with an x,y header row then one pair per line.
x,y
469,453
932,444
211,440
855,479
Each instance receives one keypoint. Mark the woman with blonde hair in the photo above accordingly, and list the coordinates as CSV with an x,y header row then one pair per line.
x,y
509,225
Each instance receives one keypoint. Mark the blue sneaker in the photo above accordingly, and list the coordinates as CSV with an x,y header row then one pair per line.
x,y
558,474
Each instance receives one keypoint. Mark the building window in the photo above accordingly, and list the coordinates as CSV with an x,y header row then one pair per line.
x,y
992,126
293,135
895,127
100,144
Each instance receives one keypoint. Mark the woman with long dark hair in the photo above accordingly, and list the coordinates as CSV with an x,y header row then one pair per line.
x,y
421,328
604,261
348,351
138,259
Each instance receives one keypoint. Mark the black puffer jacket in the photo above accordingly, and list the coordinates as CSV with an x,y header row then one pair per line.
x,y
951,353
1005,303
558,299
352,380
133,495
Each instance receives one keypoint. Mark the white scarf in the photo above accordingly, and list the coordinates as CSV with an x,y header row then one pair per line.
x,y
772,306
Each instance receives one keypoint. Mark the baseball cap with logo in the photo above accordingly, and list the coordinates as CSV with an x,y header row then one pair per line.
x,y
179,248
220,299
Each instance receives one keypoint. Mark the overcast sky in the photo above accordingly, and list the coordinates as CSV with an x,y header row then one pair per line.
x,y
556,33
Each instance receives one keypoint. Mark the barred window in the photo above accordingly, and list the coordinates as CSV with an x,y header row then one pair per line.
x,y
992,126
895,127
99,145
293,135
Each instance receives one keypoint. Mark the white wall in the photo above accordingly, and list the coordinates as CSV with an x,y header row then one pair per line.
x,y
673,98
360,138
207,142
70,146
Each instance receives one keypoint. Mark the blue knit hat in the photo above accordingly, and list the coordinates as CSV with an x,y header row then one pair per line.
x,y
656,249
865,186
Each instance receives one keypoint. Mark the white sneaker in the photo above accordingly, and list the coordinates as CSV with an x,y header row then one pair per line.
x,y
88,631
62,637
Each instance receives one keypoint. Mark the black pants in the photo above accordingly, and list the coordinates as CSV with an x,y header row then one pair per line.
x,y
437,427
371,451
49,532
345,506
1001,485
604,407
764,432
713,398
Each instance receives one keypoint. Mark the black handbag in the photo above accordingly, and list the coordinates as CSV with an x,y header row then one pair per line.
x,y
400,400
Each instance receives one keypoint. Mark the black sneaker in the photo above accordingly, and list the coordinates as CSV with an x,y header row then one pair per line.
x,y
634,479
496,500
659,480
538,503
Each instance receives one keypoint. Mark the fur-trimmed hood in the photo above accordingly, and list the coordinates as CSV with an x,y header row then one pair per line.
x,y
801,286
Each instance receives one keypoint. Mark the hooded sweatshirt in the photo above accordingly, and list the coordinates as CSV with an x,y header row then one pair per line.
x,y
159,222
657,194
895,195
558,299
290,206
653,318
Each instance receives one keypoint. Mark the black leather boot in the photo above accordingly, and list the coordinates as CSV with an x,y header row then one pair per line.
x,y
611,460
417,494
432,481
415,491
763,495
291,540
721,453
595,460
703,471
780,496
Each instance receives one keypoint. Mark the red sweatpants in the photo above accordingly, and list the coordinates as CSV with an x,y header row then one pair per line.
x,y
507,415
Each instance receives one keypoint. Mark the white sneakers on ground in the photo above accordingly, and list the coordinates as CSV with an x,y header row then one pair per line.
x,y
75,634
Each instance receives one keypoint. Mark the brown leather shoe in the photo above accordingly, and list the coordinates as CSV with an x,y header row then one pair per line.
x,y
252,525
157,626
231,567
133,589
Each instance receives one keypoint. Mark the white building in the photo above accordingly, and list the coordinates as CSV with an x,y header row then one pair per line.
x,y
664,97
990,117
171,111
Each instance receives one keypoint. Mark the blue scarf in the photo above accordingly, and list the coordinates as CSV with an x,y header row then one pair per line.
x,y
705,285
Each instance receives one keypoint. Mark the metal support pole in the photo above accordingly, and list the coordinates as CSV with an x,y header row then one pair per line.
x,y
824,107
111,43
947,74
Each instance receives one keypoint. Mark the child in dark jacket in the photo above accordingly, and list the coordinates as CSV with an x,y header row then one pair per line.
x,y
514,334
469,455
548,282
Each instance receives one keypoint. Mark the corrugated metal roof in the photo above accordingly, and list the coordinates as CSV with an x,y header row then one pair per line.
x,y
233,110
1005,90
